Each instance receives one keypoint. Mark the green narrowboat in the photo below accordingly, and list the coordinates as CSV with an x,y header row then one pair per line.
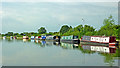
x,y
70,39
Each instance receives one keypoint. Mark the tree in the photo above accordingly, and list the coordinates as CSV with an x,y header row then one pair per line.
x,y
42,30
79,31
21,34
116,29
15,34
64,29
89,33
10,34
25,33
88,28
109,21
107,28
79,28
31,33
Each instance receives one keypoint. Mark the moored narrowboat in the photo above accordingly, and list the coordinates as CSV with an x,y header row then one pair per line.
x,y
4,37
37,37
104,40
53,38
70,39
25,37
57,38
43,37
15,37
32,37
49,37
11,37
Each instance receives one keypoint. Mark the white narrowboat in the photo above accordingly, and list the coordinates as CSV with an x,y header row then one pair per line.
x,y
32,37
4,37
37,37
49,37
53,38
25,37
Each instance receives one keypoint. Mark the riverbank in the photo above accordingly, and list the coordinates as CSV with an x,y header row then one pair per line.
x,y
20,38
8,37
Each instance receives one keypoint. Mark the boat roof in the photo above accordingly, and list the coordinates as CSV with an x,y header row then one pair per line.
x,y
100,36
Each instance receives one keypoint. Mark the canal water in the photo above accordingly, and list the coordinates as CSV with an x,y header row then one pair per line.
x,y
48,53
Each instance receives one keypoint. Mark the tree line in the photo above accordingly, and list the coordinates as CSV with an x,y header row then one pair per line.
x,y
108,29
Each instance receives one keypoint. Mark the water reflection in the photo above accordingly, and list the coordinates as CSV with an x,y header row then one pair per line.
x,y
63,51
32,40
98,48
69,45
8,40
43,42
109,53
37,41
25,40
84,48
56,43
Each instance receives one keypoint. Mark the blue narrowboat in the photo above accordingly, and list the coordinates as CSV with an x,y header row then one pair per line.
x,y
11,37
43,37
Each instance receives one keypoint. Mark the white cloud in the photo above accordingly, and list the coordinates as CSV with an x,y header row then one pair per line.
x,y
60,0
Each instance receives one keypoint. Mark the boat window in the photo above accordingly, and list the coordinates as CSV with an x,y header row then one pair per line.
x,y
105,39
75,37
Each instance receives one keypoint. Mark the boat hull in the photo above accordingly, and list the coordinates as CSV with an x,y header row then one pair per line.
x,y
57,40
70,41
93,43
96,43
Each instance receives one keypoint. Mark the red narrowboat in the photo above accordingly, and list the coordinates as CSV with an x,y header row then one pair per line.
x,y
109,40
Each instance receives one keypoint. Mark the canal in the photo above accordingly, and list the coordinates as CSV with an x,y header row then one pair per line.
x,y
48,53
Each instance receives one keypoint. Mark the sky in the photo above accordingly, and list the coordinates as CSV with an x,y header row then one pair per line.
x,y
60,0
29,16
